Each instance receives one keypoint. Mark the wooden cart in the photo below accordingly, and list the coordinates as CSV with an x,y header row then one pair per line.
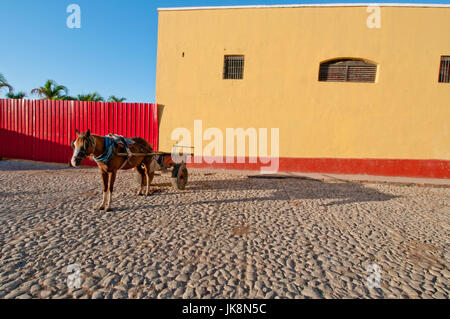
x,y
162,161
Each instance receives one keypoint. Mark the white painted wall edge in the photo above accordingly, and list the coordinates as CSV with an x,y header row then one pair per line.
x,y
419,5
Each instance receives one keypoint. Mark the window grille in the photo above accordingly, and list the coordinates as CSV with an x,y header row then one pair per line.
x,y
444,70
347,70
233,67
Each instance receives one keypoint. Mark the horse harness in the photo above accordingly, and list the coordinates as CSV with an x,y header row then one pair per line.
x,y
111,141
105,157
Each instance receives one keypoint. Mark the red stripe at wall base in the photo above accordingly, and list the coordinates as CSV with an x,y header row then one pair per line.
x,y
380,167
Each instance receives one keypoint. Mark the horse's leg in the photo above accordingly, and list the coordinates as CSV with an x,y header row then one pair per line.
x,y
147,174
148,171
105,190
112,179
141,172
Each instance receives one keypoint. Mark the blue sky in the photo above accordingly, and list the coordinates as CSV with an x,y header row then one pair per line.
x,y
114,52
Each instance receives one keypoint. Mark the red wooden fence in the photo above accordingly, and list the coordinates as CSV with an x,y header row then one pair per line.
x,y
41,130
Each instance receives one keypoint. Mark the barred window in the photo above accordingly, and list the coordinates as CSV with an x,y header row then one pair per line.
x,y
347,70
233,67
444,71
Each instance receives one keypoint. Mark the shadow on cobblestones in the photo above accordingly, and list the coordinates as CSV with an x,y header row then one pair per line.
x,y
15,165
287,189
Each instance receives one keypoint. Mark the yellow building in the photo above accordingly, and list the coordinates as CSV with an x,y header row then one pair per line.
x,y
352,88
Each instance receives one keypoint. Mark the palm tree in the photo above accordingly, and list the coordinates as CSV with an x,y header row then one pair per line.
x,y
92,97
18,96
4,83
68,98
113,98
51,91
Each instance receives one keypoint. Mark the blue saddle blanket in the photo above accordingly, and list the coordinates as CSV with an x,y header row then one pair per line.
x,y
111,141
120,138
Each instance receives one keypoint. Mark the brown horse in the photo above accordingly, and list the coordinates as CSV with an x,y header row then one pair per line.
x,y
104,151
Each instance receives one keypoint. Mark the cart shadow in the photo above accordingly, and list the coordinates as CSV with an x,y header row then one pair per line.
x,y
293,189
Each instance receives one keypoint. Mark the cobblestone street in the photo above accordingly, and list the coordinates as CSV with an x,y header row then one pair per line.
x,y
224,236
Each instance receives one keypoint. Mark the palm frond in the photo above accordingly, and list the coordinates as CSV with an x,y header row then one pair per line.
x,y
36,91
67,98
4,83
113,98
18,96
92,97
59,88
10,88
51,90
82,97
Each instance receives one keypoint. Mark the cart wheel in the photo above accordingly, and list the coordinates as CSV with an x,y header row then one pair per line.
x,y
138,177
179,176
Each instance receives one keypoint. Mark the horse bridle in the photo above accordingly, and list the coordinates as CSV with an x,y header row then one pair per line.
x,y
87,142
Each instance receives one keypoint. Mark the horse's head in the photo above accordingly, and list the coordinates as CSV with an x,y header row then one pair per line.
x,y
82,146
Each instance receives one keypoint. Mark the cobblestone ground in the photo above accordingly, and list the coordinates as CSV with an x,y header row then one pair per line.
x,y
225,236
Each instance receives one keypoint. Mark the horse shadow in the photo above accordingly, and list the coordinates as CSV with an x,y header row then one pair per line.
x,y
293,189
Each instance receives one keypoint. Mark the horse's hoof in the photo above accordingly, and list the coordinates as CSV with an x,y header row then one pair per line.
x,y
107,209
99,207
152,192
